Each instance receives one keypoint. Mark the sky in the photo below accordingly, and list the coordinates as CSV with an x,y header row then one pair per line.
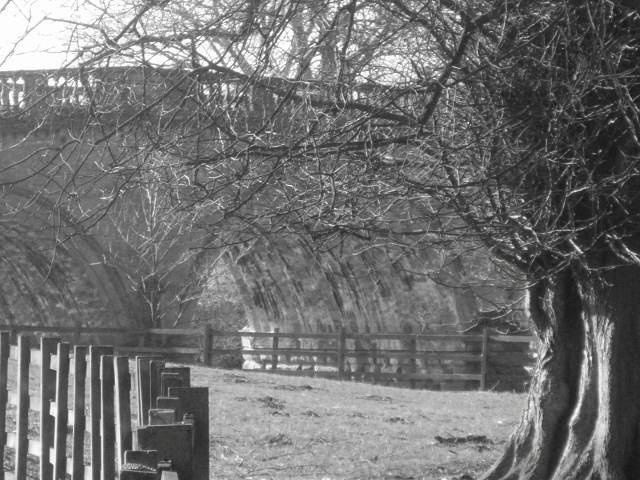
x,y
28,40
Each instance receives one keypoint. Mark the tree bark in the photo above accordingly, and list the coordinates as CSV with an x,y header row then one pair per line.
x,y
582,416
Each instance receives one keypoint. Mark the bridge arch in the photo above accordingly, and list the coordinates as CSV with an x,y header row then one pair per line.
x,y
53,272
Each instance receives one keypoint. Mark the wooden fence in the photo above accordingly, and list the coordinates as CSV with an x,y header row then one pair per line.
x,y
82,396
483,360
100,387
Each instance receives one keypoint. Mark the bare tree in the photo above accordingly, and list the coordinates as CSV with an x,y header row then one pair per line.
x,y
155,245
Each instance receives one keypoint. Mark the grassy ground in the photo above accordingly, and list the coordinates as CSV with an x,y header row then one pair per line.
x,y
265,426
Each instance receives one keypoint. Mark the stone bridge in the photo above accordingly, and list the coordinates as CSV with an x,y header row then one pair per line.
x,y
61,262
59,265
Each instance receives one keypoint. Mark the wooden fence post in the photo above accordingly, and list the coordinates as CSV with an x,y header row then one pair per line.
x,y
22,421
5,349
484,358
107,422
79,418
375,368
195,401
342,343
123,408
143,385
62,413
207,344
48,347
155,367
413,361
95,353
144,338
274,355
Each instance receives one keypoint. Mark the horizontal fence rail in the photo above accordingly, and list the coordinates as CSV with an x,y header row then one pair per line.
x,y
479,360
128,342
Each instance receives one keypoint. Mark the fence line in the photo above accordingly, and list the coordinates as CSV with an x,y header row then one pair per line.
x,y
441,358
377,357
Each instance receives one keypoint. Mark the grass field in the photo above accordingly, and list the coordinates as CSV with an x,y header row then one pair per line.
x,y
265,426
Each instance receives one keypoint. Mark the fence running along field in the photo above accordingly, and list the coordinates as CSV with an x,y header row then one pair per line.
x,y
417,360
483,360
106,397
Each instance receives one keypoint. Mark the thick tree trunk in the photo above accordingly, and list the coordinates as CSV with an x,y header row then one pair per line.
x,y
583,412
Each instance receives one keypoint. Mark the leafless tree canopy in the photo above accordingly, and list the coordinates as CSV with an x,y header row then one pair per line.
x,y
509,122
512,124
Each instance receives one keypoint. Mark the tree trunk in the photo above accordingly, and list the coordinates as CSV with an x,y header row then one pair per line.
x,y
581,420
464,299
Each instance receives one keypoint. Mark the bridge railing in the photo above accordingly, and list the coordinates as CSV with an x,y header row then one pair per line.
x,y
33,90
116,87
